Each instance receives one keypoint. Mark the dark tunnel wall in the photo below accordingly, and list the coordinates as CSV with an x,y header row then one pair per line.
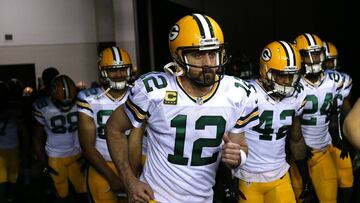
x,y
249,25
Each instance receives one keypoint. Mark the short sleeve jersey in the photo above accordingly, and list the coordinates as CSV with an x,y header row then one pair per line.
x,y
266,141
99,106
185,133
316,116
61,128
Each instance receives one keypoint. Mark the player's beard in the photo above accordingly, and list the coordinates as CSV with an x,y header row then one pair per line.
x,y
204,78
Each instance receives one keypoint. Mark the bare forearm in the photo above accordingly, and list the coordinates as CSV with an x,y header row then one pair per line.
x,y
40,150
296,141
135,148
298,148
98,162
118,148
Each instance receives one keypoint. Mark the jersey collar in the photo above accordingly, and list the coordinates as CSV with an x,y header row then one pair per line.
x,y
108,95
203,99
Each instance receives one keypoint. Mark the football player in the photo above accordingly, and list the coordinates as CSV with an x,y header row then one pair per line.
x,y
264,177
321,88
95,105
340,146
12,133
195,117
56,141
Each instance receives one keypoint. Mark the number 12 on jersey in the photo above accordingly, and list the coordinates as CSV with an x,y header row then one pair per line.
x,y
179,122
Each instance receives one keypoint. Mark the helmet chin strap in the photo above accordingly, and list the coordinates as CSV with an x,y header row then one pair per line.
x,y
172,71
102,94
109,88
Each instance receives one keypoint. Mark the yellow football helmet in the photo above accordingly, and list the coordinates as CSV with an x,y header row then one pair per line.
x,y
280,64
63,92
113,59
196,32
331,55
311,51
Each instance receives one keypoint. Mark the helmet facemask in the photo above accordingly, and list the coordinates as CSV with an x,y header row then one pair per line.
x,y
331,64
116,83
275,81
312,61
64,105
115,67
213,50
63,92
331,55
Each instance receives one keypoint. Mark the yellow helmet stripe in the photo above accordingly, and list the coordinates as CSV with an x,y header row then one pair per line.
x,y
204,25
290,55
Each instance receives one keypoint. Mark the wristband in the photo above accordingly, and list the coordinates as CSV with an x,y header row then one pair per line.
x,y
243,157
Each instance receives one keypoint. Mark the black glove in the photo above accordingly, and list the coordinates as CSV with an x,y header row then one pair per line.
x,y
241,195
335,136
345,149
227,185
48,170
308,194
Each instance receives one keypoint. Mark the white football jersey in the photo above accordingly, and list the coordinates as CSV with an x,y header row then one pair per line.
x,y
315,120
266,141
60,127
185,133
345,91
99,106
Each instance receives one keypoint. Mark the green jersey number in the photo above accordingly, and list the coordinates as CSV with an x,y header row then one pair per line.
x,y
244,85
58,123
324,110
179,122
266,120
101,123
335,76
156,82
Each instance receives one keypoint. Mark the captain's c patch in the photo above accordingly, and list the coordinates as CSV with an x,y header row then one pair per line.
x,y
170,98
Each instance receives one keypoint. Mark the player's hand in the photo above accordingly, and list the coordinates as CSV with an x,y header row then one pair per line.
x,y
49,170
345,149
139,191
230,153
308,194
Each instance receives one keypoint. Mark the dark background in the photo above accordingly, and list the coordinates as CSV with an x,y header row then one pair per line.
x,y
249,25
